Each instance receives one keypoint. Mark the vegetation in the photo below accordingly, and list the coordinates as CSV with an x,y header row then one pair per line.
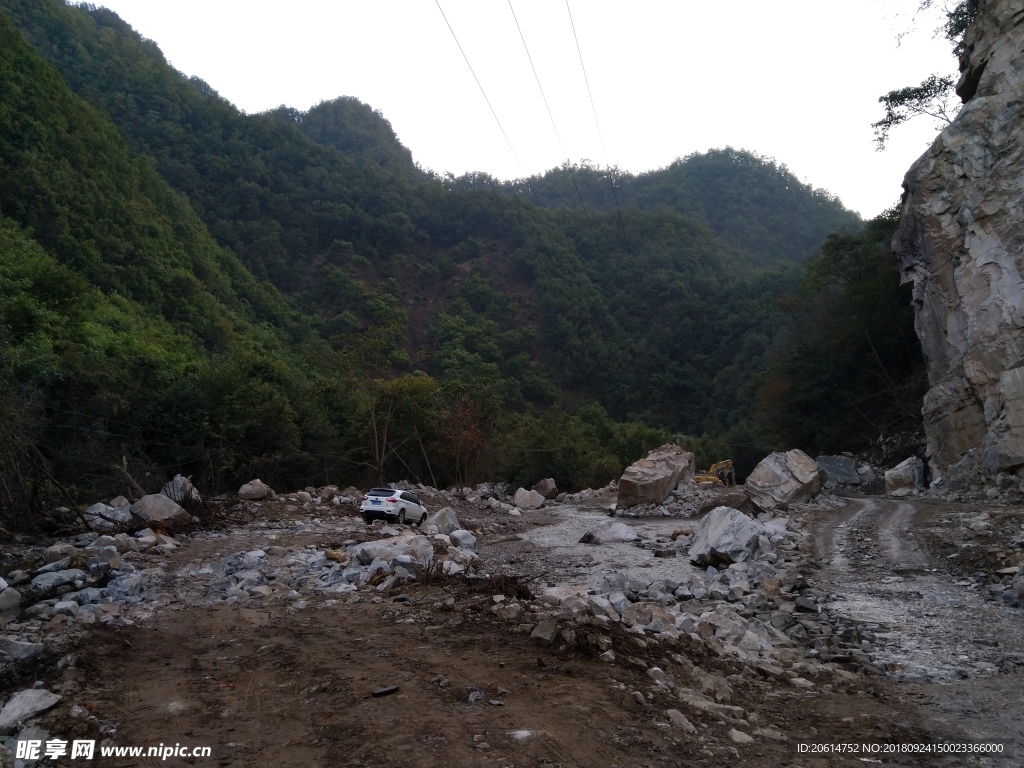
x,y
186,288
935,96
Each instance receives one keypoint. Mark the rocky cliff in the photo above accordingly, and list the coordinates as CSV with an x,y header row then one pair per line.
x,y
961,244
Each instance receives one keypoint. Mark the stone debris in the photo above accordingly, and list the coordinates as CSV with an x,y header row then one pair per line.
x,y
651,479
782,479
444,520
181,490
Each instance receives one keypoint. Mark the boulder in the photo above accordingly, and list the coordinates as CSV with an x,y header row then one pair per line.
x,y
611,533
725,536
650,480
24,705
157,509
181,490
547,488
841,470
782,479
445,520
905,477
525,499
44,582
545,632
20,650
255,490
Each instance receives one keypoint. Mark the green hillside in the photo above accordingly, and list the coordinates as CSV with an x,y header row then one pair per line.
x,y
249,295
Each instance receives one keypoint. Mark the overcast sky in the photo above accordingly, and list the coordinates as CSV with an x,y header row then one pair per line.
x,y
797,80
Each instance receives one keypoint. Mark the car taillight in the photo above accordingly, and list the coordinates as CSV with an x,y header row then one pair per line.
x,y
392,500
366,498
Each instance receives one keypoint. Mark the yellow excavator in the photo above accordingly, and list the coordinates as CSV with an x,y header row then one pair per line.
x,y
720,473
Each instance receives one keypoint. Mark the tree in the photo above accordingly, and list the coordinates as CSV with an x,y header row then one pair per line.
x,y
934,97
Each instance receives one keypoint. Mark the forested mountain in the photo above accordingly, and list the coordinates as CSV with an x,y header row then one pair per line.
x,y
747,200
286,295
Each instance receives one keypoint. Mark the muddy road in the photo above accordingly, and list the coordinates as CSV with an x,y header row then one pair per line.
x,y
955,652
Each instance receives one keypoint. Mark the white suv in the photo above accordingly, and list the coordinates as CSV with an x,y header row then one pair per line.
x,y
389,504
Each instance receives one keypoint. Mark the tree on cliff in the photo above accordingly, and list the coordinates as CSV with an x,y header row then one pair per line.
x,y
935,96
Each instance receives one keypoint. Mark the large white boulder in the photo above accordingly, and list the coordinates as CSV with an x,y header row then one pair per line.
x,y
158,509
725,536
782,479
525,499
255,490
905,477
650,480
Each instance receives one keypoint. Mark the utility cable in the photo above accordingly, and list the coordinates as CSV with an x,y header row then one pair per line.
x,y
551,117
484,94
593,109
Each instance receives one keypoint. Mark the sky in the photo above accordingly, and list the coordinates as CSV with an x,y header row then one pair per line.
x,y
797,80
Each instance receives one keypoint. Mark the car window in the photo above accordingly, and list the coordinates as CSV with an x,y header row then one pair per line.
x,y
380,492
412,498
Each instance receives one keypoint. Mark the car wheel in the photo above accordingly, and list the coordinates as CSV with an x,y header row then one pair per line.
x,y
401,517
423,518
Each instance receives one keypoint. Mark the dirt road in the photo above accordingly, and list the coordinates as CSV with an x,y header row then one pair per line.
x,y
956,655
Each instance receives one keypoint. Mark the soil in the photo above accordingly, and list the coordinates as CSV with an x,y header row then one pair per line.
x,y
271,685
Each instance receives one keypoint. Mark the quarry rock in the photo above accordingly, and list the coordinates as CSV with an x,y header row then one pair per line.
x,y
961,245
724,536
104,517
782,479
525,499
905,477
159,509
651,479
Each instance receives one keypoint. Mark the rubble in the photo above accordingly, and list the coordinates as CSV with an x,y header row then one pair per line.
x,y
782,479
24,705
651,479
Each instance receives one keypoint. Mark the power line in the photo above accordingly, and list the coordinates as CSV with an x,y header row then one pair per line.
x,y
551,116
593,109
484,94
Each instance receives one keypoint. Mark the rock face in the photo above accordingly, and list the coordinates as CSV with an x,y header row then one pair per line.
x,y
650,480
782,479
724,536
961,245
905,477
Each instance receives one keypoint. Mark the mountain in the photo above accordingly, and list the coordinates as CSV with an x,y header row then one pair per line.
x,y
748,200
297,279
